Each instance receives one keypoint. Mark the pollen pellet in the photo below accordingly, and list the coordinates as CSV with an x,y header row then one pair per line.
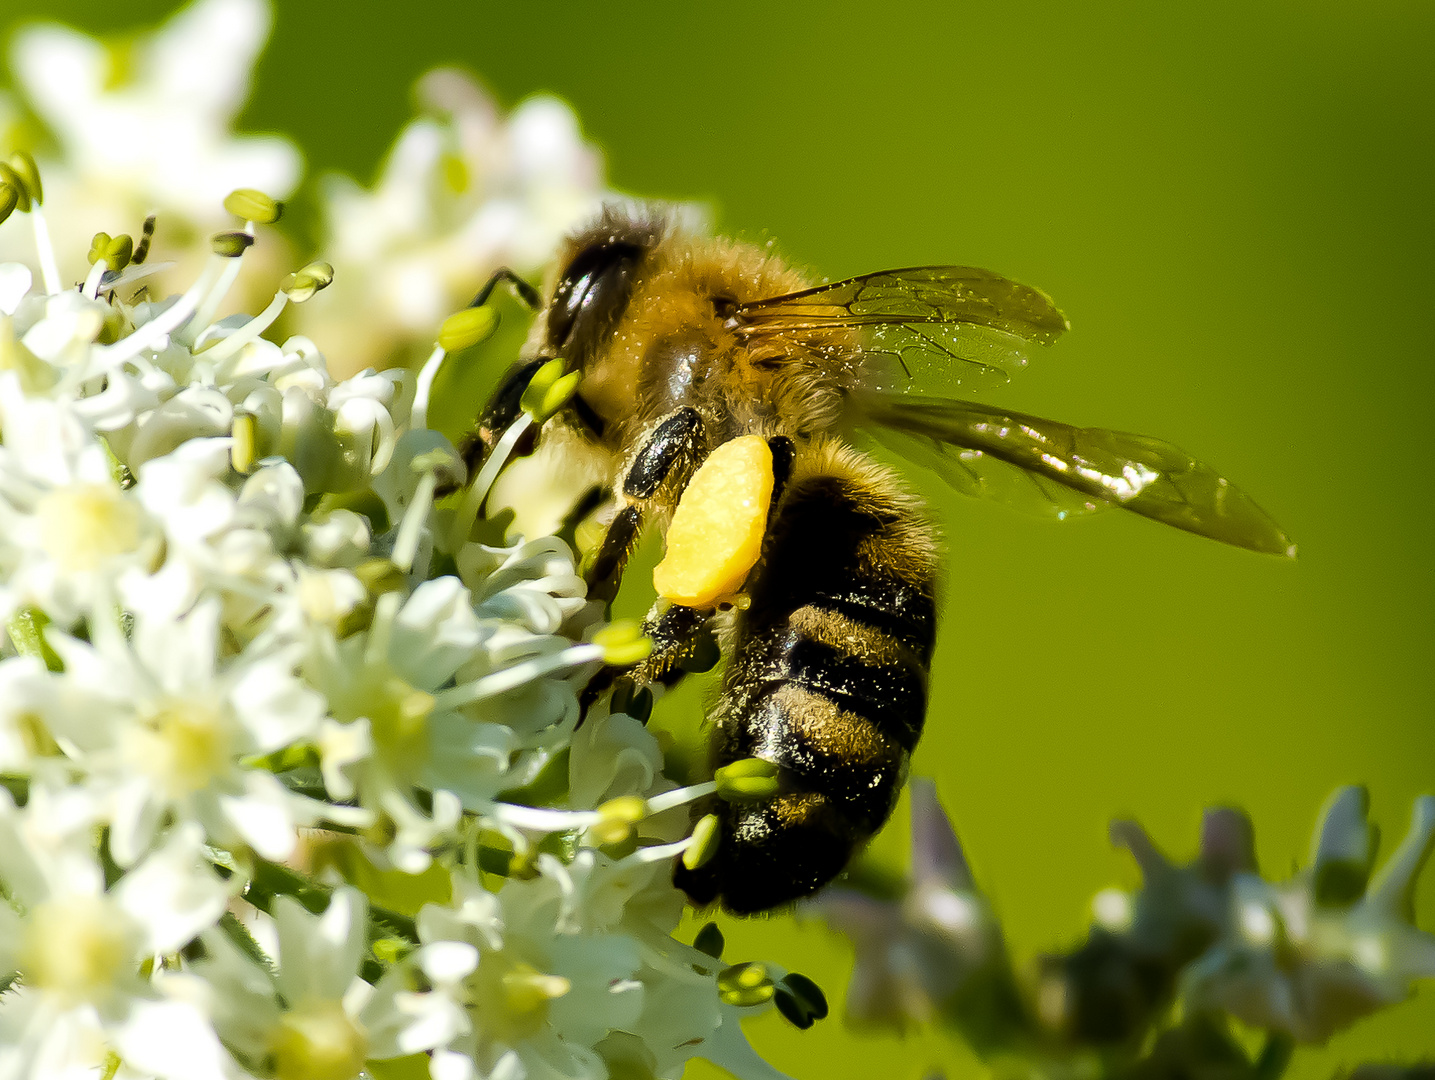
x,y
716,532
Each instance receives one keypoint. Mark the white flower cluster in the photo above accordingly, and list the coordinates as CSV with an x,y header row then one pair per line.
x,y
463,192
292,780
1299,960
140,125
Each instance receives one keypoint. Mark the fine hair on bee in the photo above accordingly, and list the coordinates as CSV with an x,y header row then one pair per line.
x,y
688,345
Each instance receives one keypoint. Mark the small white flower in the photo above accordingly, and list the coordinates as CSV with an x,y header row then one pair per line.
x,y
66,525
505,979
162,725
79,947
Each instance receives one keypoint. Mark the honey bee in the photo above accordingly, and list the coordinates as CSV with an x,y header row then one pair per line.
x,y
687,343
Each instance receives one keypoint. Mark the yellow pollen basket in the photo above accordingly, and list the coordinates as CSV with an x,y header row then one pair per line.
x,y
716,532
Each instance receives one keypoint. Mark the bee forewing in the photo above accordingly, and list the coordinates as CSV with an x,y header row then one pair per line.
x,y
920,329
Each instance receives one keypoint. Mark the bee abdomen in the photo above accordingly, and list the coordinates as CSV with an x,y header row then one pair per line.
x,y
828,680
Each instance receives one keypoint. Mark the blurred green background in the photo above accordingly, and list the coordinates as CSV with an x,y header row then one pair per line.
x,y
1233,202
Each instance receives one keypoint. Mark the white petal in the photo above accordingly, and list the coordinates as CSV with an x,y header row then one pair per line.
x,y
450,1065
172,894
15,282
171,1039
445,962
263,815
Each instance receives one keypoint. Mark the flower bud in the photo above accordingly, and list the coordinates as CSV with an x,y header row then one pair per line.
x,y
1344,848
252,205
467,327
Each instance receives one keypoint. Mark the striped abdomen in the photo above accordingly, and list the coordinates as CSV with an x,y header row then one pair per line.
x,y
828,678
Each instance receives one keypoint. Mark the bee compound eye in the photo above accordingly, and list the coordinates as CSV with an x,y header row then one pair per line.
x,y
591,295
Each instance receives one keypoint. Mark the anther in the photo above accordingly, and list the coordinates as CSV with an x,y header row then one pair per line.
x,y
251,205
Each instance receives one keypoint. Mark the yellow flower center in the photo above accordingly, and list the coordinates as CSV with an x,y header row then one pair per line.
x,y
398,714
184,745
318,1041
76,946
510,997
85,525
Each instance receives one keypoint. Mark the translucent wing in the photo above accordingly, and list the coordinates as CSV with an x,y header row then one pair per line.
x,y
1014,457
918,329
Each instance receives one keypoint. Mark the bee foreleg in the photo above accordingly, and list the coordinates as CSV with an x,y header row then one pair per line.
x,y
674,442
675,439
522,289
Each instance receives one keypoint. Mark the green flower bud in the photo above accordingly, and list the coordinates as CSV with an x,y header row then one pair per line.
x,y
467,327
710,941
252,205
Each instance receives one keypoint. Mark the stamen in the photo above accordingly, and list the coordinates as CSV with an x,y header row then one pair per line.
x,y
659,852
204,315
386,610
150,334
680,796
418,415
227,347
49,268
542,818
406,543
513,677
478,491
91,288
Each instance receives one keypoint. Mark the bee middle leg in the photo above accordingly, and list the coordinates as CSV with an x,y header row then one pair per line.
x,y
683,644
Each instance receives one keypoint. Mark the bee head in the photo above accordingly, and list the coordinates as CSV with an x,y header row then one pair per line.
x,y
596,283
